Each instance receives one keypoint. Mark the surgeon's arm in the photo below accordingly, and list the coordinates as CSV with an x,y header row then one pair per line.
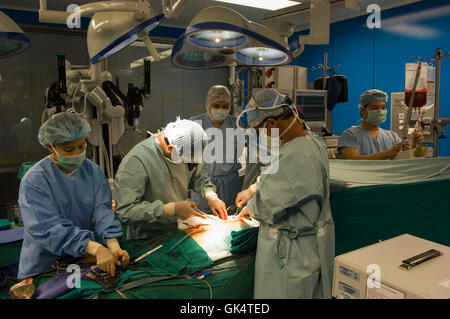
x,y
353,154
130,186
105,224
109,229
201,183
43,222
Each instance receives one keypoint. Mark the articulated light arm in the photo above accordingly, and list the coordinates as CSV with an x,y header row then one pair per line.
x,y
86,10
143,35
172,8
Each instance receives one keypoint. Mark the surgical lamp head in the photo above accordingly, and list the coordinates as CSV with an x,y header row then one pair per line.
x,y
110,32
219,36
12,38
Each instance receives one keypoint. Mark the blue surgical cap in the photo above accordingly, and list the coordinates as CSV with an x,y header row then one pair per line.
x,y
63,127
372,95
264,99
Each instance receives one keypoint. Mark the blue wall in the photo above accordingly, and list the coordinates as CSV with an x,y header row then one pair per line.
x,y
375,58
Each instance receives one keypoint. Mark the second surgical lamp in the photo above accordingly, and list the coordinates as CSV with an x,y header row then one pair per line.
x,y
219,36
114,25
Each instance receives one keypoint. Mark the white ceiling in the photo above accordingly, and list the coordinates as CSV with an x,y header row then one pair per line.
x,y
194,6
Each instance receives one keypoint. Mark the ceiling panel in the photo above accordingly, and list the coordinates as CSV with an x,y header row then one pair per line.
x,y
192,8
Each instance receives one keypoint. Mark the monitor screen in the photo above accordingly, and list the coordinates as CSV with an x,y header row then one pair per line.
x,y
312,106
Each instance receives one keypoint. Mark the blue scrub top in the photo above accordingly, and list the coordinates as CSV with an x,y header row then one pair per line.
x,y
359,138
223,175
59,212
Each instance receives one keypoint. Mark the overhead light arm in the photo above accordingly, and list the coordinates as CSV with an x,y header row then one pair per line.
x,y
60,17
319,26
172,8
143,35
316,12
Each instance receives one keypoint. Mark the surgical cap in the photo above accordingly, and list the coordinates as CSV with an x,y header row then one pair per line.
x,y
264,99
372,95
63,127
217,93
186,134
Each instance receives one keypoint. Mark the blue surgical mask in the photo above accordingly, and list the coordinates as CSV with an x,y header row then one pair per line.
x,y
70,162
377,117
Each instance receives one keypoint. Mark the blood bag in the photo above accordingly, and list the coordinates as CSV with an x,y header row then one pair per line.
x,y
420,97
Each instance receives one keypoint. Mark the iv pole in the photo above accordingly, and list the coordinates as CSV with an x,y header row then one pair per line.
x,y
438,123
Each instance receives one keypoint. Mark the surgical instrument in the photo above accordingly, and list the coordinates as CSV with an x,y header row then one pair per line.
x,y
147,253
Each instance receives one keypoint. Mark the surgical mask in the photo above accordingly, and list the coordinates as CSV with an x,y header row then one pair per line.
x,y
70,162
377,117
218,115
276,140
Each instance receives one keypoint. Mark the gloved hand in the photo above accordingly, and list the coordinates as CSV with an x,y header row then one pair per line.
x,y
216,205
244,241
185,209
244,213
244,196
105,260
418,139
121,257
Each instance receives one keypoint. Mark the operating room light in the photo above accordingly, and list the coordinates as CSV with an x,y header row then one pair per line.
x,y
110,32
12,38
221,37
263,4
217,38
266,56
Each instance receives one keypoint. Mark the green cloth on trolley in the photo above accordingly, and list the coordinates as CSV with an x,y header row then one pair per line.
x,y
24,168
365,215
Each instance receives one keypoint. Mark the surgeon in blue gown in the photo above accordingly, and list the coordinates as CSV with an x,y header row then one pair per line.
x,y
63,198
369,141
223,173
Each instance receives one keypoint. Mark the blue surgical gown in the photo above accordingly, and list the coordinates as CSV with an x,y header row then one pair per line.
x,y
358,138
223,175
58,213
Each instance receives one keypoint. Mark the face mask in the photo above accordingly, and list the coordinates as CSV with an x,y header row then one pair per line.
x,y
70,162
276,140
218,115
377,117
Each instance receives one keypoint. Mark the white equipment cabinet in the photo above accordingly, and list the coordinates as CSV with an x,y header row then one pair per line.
x,y
355,272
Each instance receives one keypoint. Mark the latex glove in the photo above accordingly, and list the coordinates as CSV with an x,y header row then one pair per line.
x,y
406,146
217,206
121,257
105,260
185,209
244,196
418,138
244,213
